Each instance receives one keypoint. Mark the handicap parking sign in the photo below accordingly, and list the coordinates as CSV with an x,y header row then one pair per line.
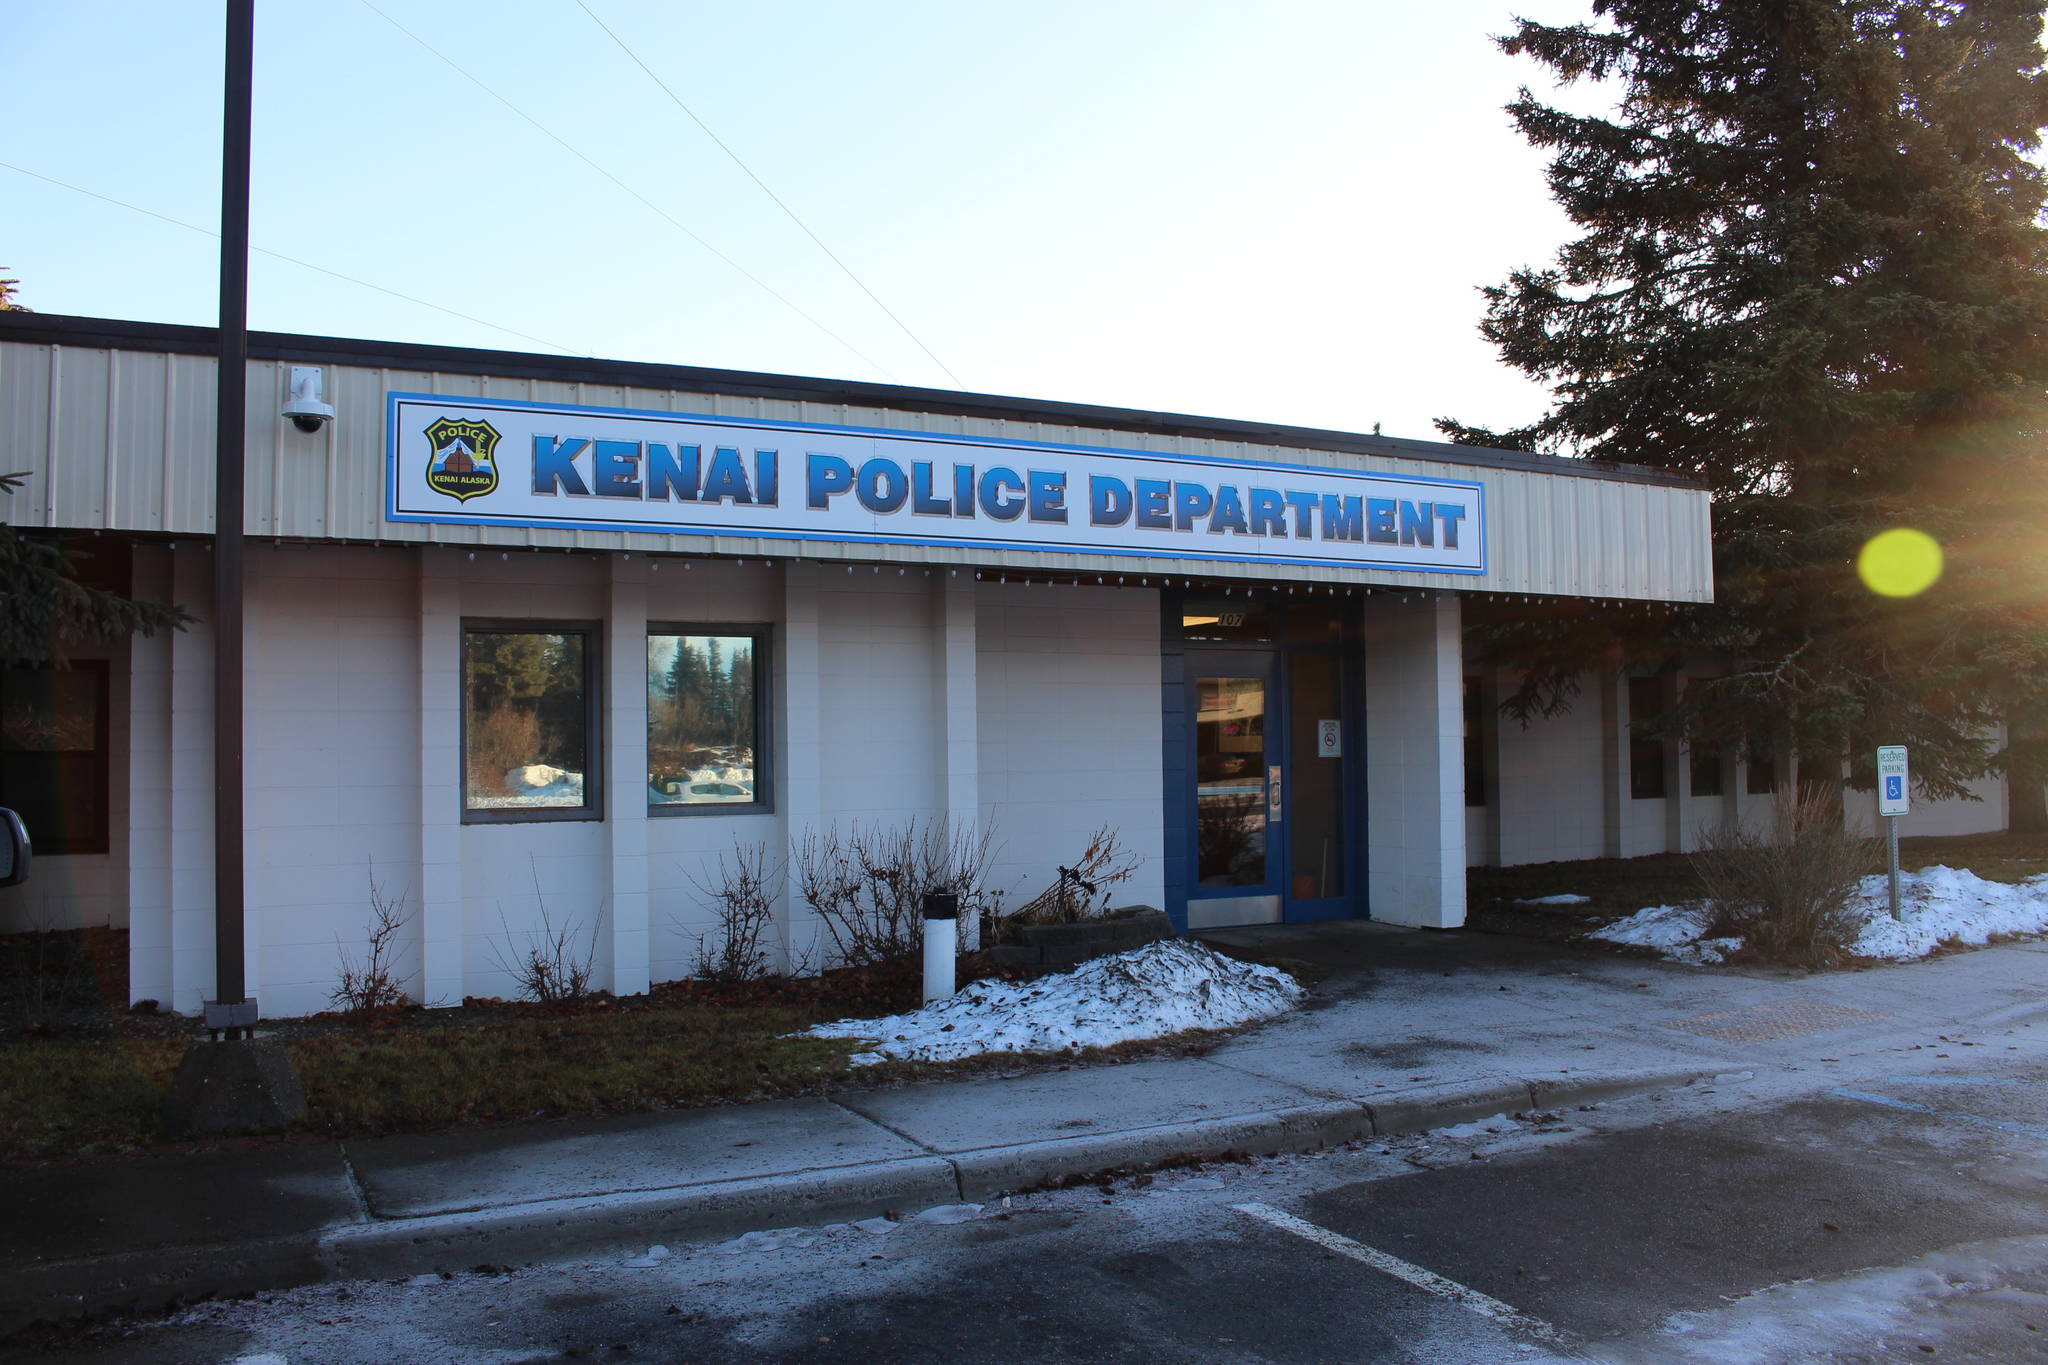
x,y
1892,779
1894,787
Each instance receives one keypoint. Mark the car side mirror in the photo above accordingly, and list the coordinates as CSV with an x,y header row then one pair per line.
x,y
14,849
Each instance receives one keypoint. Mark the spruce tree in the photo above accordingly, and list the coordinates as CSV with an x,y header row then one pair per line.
x,y
1811,274
43,603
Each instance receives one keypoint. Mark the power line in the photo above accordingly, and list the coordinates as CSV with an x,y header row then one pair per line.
x,y
677,101
292,260
456,67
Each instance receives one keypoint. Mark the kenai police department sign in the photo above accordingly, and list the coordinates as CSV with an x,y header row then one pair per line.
x,y
476,463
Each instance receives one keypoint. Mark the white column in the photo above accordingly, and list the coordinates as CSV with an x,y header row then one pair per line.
x,y
799,757
958,707
191,742
1415,761
1614,794
148,833
440,775
626,942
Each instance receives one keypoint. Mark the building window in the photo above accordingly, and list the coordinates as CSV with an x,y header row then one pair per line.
x,y
529,721
1475,742
705,708
53,755
1763,772
1707,776
1646,753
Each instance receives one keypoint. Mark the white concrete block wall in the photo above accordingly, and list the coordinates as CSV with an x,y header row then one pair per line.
x,y
879,698
1549,784
1070,731
1415,762
331,762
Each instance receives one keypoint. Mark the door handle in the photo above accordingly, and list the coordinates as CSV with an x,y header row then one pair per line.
x,y
1273,792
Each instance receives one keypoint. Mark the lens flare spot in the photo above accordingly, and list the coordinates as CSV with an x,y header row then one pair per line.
x,y
1900,562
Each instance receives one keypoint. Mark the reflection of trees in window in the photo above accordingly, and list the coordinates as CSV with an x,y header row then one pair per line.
x,y
527,718
701,711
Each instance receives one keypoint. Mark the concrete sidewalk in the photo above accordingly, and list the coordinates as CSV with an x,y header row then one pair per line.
x,y
1410,1030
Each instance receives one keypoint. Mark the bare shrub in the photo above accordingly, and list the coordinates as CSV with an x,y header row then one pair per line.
x,y
868,885
743,893
1785,890
550,970
368,983
1082,891
501,739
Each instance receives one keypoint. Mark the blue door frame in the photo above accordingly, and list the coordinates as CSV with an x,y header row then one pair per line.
x,y
1182,663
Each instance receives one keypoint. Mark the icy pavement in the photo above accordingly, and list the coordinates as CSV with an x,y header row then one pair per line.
x,y
1150,992
1937,905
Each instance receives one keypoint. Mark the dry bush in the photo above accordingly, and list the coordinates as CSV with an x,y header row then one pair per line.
x,y
868,885
1082,891
551,969
368,983
1786,890
501,739
743,894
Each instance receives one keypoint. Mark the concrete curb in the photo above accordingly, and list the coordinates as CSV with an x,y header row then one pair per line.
x,y
632,1220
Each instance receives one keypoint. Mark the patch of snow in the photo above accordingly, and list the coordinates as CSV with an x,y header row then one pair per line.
x,y
1936,904
1497,1123
773,1239
1149,992
1658,926
946,1214
1565,899
656,1254
535,784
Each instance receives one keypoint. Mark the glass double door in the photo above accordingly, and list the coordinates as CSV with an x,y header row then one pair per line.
x,y
1270,768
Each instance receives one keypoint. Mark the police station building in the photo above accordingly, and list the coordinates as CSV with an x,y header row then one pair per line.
x,y
528,632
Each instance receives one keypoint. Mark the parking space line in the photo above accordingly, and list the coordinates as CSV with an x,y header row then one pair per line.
x,y
1425,1280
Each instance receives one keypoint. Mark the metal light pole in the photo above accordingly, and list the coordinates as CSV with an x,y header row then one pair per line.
x,y
244,1082
231,1008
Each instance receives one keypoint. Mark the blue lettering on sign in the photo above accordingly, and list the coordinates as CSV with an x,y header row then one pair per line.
x,y
994,484
922,500
1154,513
616,469
1048,495
825,478
1163,508
554,466
672,476
1109,501
881,486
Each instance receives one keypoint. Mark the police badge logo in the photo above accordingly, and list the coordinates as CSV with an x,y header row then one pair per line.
x,y
464,461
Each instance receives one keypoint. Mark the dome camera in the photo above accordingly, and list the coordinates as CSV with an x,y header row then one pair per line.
x,y
304,407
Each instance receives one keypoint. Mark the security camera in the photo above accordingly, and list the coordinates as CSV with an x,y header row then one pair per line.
x,y
304,407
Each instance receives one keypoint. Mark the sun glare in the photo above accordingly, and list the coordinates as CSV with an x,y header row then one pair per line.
x,y
1900,562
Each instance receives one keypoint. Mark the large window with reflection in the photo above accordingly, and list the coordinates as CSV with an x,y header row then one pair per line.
x,y
705,708
530,721
54,754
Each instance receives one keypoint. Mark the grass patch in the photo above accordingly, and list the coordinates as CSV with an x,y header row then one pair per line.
x,y
1614,886
61,1099
596,1063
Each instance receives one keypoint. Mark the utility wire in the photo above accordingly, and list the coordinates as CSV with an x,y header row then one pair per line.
x,y
293,260
656,208
677,101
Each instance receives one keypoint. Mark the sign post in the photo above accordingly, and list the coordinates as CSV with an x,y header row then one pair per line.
x,y
1894,799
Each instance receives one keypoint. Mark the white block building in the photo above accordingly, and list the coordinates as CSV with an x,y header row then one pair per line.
x,y
527,632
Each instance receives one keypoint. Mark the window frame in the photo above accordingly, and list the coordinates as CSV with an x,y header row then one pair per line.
x,y
592,632
97,841
1640,757
763,636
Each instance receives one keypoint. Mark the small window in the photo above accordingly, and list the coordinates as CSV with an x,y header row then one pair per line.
x,y
53,755
1707,776
704,720
1763,773
1475,742
1646,753
529,722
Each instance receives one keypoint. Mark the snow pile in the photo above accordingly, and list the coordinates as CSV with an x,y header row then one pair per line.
x,y
1148,992
534,784
1566,898
1937,903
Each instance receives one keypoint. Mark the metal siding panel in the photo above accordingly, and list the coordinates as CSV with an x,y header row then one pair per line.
x,y
1546,533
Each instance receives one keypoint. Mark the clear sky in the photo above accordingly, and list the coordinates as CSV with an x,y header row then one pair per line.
x,y
1280,211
